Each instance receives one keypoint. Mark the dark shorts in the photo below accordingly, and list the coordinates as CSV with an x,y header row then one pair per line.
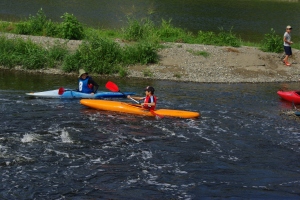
x,y
288,50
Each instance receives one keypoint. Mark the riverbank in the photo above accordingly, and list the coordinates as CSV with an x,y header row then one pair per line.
x,y
221,64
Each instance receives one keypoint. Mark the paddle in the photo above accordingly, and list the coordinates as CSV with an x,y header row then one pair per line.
x,y
114,88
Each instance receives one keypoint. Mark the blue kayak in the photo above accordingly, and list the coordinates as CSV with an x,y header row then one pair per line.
x,y
70,94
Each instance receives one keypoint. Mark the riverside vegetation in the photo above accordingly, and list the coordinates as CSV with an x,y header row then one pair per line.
x,y
100,52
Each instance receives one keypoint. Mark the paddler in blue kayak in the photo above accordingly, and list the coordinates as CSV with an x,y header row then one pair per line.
x,y
86,84
149,99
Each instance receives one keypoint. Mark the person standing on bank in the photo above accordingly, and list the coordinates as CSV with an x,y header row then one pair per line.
x,y
287,45
86,84
149,100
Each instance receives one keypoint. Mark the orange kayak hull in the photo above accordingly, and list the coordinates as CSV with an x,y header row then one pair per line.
x,y
136,109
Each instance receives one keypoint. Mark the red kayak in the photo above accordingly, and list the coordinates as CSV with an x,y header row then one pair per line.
x,y
291,96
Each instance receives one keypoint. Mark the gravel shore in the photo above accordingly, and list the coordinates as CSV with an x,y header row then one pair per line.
x,y
221,65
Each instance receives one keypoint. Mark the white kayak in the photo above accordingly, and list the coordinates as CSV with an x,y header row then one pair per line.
x,y
71,94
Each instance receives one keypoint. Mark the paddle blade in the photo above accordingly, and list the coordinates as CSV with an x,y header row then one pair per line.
x,y
61,91
112,86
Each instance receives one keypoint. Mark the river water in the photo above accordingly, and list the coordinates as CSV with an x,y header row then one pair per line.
x,y
241,147
248,19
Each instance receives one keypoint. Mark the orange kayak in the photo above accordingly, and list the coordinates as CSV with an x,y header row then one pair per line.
x,y
135,109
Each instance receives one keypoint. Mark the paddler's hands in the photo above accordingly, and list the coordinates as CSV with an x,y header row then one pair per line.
x,y
128,96
92,93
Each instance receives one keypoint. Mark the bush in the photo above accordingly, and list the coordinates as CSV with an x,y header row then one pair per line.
x,y
272,42
71,28
34,25
143,53
169,33
96,55
16,51
138,30
223,38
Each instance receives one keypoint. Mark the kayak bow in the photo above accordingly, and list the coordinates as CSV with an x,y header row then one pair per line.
x,y
291,96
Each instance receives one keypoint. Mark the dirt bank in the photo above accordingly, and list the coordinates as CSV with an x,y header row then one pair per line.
x,y
222,65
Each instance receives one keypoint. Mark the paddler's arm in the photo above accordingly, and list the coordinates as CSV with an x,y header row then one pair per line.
x,y
136,98
96,86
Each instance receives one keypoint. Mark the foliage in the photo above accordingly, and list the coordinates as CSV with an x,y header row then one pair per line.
x,y
29,55
272,42
95,55
167,32
104,56
143,53
99,53
138,30
71,28
223,38
147,73
33,26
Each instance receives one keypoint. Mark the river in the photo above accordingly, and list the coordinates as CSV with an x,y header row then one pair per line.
x,y
241,147
248,19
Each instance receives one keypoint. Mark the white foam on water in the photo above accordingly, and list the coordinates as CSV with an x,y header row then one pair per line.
x,y
178,171
147,155
58,152
65,137
102,161
29,137
165,130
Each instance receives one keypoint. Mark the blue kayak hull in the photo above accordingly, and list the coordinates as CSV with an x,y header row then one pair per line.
x,y
72,94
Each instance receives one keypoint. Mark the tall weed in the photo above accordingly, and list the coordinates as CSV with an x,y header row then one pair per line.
x,y
33,26
143,53
138,30
95,55
71,28
28,55
272,42
167,32
223,38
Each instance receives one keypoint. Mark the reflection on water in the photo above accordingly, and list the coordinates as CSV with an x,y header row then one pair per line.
x,y
248,19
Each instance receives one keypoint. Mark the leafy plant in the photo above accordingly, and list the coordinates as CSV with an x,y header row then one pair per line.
x,y
272,42
199,53
71,28
138,30
143,53
147,73
34,25
29,55
96,55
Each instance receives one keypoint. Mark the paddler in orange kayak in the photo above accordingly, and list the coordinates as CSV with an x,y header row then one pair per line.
x,y
149,100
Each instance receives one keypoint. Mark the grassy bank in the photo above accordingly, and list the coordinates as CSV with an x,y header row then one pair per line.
x,y
99,53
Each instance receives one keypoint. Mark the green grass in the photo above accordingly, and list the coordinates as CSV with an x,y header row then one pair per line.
x,y
199,53
29,55
100,53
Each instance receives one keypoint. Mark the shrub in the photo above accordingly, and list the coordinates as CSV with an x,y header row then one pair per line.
x,y
34,25
29,55
169,33
71,28
272,42
96,55
136,30
143,53
223,38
